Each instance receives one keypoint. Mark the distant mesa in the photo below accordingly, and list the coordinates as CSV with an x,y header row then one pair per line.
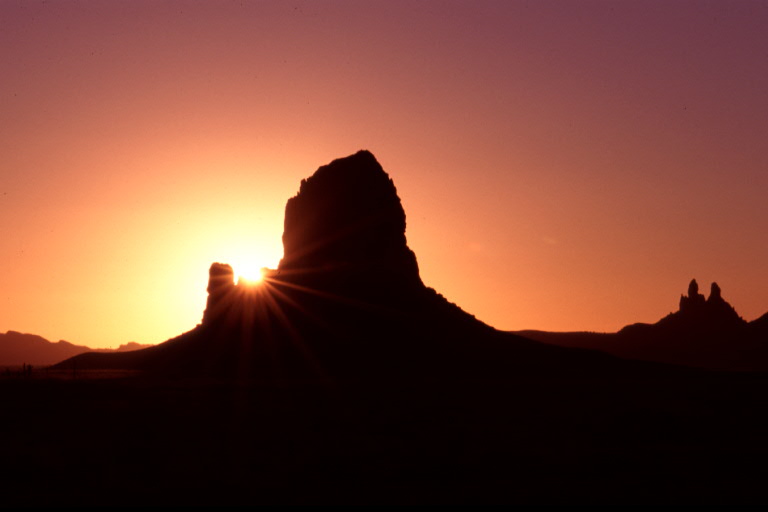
x,y
132,345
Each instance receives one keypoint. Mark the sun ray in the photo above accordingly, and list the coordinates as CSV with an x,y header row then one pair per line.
x,y
284,297
338,298
279,314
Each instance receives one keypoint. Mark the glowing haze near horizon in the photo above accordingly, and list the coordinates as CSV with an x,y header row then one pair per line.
x,y
563,165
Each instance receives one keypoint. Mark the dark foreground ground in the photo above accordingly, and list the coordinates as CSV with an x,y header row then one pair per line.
x,y
692,438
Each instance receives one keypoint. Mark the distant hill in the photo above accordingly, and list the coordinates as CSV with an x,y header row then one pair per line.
x,y
18,348
704,332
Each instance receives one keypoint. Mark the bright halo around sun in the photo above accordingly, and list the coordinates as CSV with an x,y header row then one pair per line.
x,y
249,258
248,271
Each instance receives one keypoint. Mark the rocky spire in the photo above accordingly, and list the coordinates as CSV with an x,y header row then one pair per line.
x,y
694,300
714,293
693,288
221,283
712,310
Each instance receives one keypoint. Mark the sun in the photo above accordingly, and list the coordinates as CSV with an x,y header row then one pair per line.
x,y
249,259
248,272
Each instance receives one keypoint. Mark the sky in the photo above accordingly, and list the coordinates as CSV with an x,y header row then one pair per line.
x,y
563,165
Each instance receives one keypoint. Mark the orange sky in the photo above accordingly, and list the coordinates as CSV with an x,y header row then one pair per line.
x,y
563,165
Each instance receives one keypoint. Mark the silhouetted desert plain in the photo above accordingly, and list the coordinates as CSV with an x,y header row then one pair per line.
x,y
343,379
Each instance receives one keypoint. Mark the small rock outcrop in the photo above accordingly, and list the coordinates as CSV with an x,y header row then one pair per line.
x,y
714,293
694,300
708,311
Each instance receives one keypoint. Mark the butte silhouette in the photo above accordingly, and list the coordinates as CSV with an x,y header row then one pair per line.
x,y
346,301
343,379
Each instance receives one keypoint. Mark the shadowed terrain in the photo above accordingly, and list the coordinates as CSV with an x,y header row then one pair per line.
x,y
343,379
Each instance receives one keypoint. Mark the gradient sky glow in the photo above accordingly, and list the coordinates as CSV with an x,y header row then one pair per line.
x,y
563,165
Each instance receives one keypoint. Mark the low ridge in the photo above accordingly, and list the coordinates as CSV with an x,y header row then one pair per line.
x,y
17,349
